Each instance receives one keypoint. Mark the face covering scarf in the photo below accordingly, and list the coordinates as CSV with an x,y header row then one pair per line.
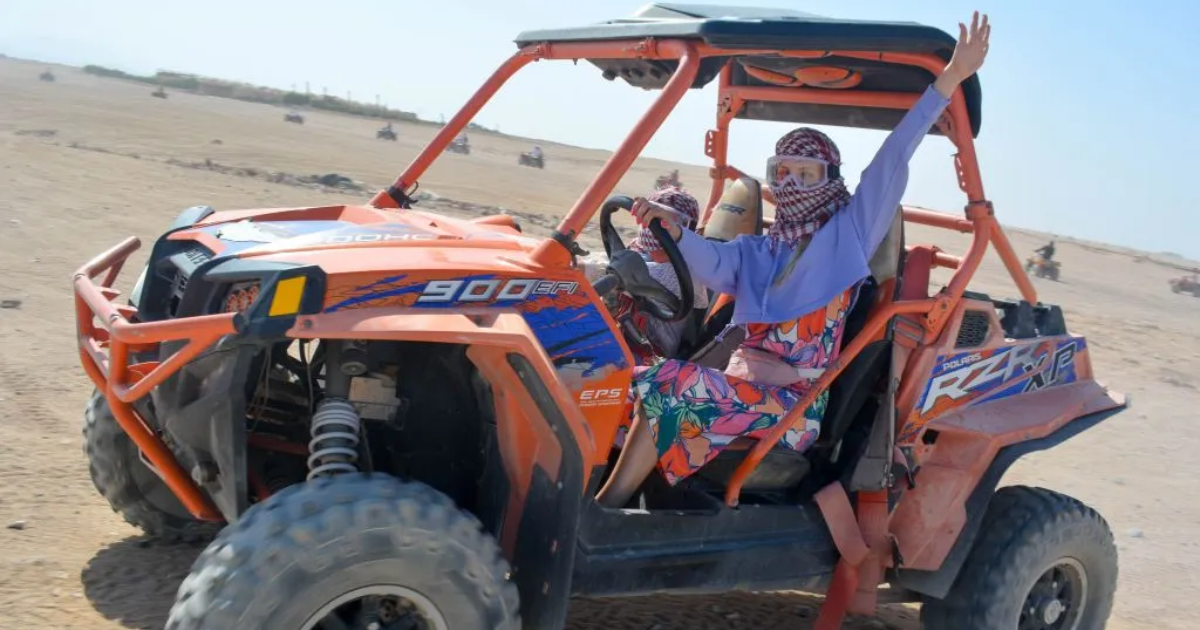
x,y
679,201
802,210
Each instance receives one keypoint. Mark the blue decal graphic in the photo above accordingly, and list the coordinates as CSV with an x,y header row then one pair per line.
x,y
971,377
566,323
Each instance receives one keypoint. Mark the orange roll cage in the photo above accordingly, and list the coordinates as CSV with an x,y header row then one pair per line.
x,y
979,220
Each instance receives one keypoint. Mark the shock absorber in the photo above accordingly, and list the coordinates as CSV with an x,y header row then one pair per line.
x,y
335,424
334,445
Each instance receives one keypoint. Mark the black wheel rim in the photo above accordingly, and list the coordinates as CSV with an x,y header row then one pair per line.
x,y
1058,598
382,607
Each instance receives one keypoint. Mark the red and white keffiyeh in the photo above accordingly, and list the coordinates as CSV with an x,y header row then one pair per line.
x,y
800,212
681,202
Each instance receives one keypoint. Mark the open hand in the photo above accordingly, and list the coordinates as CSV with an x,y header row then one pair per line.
x,y
969,53
972,46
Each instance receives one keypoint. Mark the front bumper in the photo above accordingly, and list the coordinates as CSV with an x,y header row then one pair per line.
x,y
110,347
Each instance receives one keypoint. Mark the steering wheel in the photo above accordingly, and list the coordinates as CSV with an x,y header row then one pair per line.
x,y
627,270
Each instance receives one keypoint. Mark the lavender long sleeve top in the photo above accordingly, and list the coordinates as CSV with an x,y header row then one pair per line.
x,y
751,270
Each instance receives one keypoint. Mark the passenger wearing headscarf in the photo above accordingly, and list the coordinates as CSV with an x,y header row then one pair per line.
x,y
793,288
660,338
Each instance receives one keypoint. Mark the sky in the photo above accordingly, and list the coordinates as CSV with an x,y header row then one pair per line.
x,y
1088,111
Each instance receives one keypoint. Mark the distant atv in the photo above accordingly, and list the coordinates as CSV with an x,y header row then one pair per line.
x,y
1040,267
294,117
47,76
386,134
667,181
529,159
1186,284
159,93
460,145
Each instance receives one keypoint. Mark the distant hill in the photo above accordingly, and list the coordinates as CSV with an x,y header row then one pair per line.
x,y
222,88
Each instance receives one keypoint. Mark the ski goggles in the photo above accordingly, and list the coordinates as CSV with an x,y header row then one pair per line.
x,y
781,168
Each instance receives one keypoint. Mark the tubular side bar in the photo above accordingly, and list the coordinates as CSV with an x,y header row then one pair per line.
x,y
104,350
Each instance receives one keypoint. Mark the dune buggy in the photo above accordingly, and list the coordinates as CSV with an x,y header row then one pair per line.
x,y
460,145
531,160
1186,284
400,419
1042,268
294,117
667,181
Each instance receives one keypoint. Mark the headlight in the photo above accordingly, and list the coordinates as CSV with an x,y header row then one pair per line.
x,y
241,297
287,296
269,295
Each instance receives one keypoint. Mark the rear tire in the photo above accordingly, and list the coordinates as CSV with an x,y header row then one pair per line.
x,y
1041,558
349,544
132,489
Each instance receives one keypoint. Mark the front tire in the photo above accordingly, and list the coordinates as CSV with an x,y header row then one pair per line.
x,y
353,546
132,489
1042,561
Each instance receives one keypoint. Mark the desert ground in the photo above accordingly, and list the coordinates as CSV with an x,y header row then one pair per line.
x,y
85,162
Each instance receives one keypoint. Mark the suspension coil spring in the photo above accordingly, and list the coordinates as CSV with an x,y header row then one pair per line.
x,y
334,445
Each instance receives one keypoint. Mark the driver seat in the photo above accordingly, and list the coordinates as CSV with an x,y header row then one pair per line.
x,y
740,213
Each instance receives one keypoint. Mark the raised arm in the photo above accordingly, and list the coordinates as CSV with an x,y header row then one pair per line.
x,y
885,179
883,182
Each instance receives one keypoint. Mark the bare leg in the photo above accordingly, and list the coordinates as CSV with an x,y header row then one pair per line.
x,y
633,465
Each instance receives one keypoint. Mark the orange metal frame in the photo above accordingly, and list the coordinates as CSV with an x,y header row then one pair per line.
x,y
979,220
103,325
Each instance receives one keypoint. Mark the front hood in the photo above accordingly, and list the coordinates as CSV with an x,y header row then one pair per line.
x,y
290,231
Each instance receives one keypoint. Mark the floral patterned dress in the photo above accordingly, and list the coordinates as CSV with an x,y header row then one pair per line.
x,y
695,412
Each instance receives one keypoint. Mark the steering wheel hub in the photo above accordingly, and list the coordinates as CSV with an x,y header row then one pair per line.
x,y
631,274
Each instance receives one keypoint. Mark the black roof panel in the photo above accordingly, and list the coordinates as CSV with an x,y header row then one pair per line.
x,y
774,29
746,27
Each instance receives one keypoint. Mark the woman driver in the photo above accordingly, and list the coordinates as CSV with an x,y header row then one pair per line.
x,y
793,289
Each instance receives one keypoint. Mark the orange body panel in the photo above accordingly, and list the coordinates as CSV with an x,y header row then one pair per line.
x,y
928,519
592,401
505,330
524,442
977,398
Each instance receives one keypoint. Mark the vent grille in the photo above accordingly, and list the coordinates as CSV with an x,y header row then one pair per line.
x,y
198,255
974,330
